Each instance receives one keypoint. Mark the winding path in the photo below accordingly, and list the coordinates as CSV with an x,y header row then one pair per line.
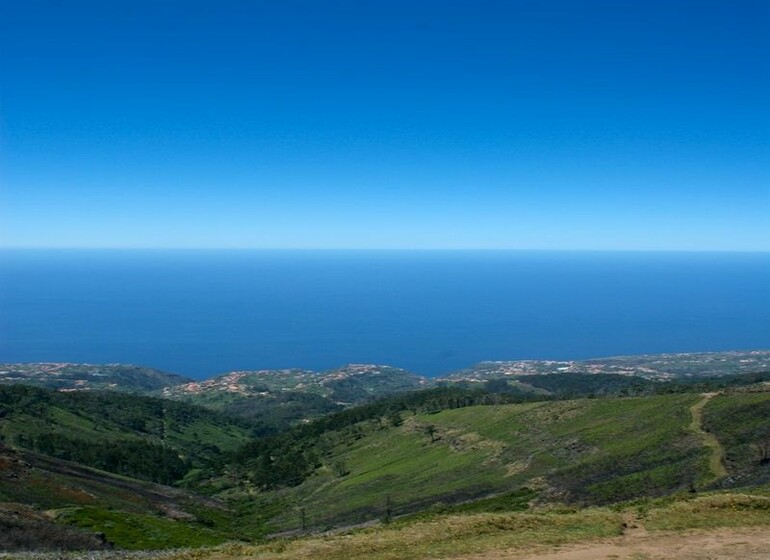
x,y
717,455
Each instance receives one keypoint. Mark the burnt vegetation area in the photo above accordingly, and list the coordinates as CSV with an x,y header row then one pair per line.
x,y
22,529
742,428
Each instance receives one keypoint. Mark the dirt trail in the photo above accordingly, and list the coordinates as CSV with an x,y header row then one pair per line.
x,y
718,544
632,526
716,459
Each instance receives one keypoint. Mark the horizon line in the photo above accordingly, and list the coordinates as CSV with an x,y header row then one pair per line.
x,y
391,365
392,249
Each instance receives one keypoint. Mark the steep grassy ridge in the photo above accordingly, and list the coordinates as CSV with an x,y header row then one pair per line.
x,y
590,450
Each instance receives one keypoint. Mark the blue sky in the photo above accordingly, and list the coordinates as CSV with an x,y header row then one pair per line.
x,y
385,124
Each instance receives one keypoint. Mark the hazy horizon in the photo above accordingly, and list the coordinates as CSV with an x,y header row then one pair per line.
x,y
205,312
374,249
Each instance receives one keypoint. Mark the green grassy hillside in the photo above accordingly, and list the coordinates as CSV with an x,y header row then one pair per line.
x,y
440,451
581,451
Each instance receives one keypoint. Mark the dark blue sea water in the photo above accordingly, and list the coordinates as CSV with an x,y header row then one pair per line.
x,y
201,313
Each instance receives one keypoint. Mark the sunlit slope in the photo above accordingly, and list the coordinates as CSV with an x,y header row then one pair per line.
x,y
590,450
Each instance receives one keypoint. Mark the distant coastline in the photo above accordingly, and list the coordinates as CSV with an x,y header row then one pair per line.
x,y
206,312
659,367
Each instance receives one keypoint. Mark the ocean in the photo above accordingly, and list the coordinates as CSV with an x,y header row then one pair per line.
x,y
201,313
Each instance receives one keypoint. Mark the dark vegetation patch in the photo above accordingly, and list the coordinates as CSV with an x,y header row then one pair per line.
x,y
23,529
277,411
517,500
643,447
574,385
142,437
712,384
138,531
741,423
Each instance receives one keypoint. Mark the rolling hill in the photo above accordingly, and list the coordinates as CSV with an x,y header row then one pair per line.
x,y
89,377
149,472
582,452
103,462
278,398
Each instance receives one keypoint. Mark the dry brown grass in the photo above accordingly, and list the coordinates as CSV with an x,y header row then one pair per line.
x,y
444,537
710,511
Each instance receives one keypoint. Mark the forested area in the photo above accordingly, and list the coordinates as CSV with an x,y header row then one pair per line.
x,y
142,437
